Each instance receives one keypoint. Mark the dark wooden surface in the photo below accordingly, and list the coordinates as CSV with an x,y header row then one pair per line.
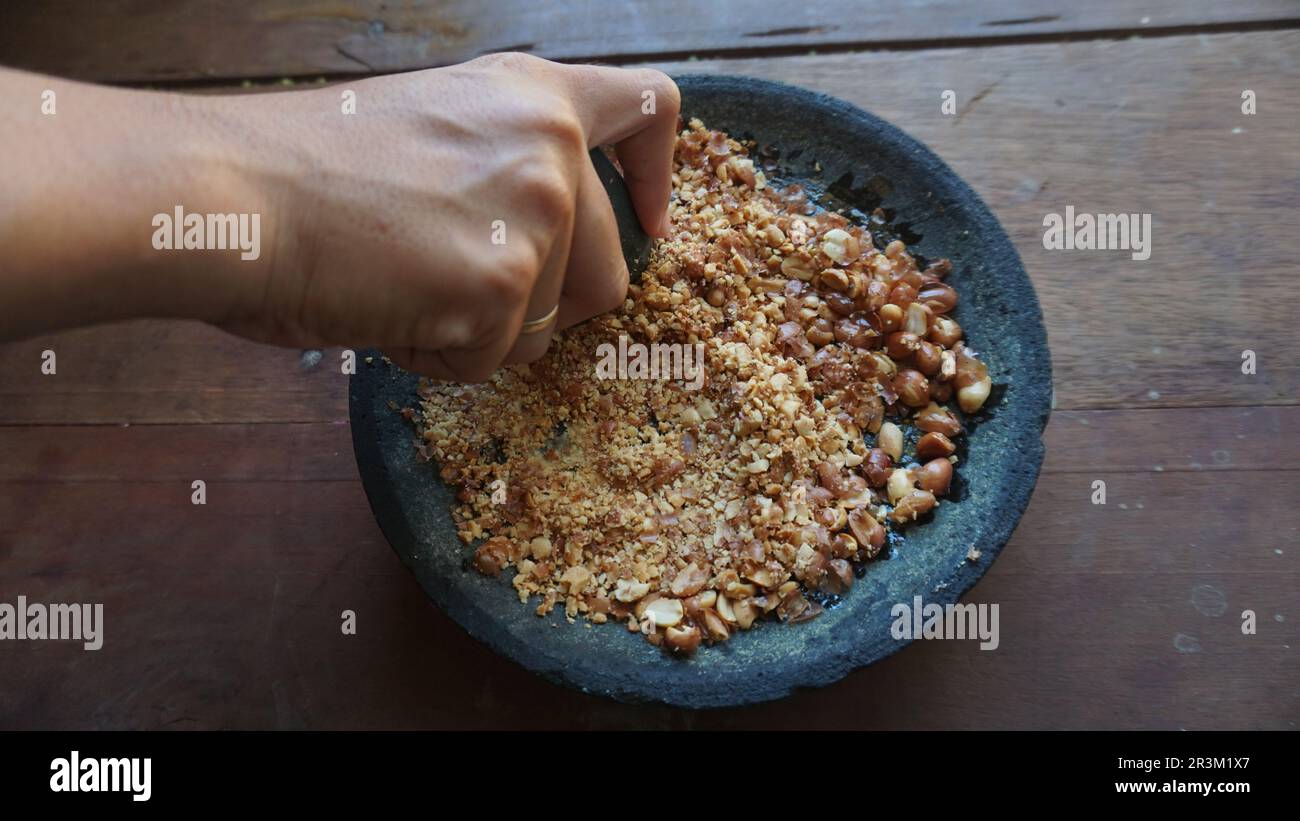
x,y
227,615
127,40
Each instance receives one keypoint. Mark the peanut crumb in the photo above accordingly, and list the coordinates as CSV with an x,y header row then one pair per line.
x,y
691,514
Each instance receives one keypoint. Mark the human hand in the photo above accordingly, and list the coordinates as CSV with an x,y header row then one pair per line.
x,y
454,205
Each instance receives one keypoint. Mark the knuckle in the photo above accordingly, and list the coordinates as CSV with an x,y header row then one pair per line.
x,y
668,97
556,122
566,130
508,60
545,186
511,280
437,330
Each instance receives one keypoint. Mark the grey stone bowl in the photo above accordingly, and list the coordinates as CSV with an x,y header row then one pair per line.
x,y
864,163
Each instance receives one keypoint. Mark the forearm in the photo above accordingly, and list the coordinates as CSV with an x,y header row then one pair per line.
x,y
82,187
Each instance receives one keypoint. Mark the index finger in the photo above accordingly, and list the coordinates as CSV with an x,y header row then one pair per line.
x,y
636,110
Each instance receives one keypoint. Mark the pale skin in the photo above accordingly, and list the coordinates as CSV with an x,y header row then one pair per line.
x,y
377,227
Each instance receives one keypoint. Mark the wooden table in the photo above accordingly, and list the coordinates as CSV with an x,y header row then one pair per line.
x,y
1123,615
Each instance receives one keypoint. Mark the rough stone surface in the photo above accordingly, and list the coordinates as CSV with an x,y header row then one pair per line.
x,y
1002,320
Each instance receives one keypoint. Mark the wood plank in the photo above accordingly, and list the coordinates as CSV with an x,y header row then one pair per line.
x,y
229,617
309,452
98,529
281,662
165,372
1222,440
129,40
1167,522
1167,332
1174,439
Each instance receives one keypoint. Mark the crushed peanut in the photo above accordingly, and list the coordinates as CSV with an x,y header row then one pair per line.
x,y
690,515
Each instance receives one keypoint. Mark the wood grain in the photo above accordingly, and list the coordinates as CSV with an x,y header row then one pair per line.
x,y
128,40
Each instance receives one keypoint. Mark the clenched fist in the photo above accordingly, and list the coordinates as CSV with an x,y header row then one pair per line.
x,y
437,216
